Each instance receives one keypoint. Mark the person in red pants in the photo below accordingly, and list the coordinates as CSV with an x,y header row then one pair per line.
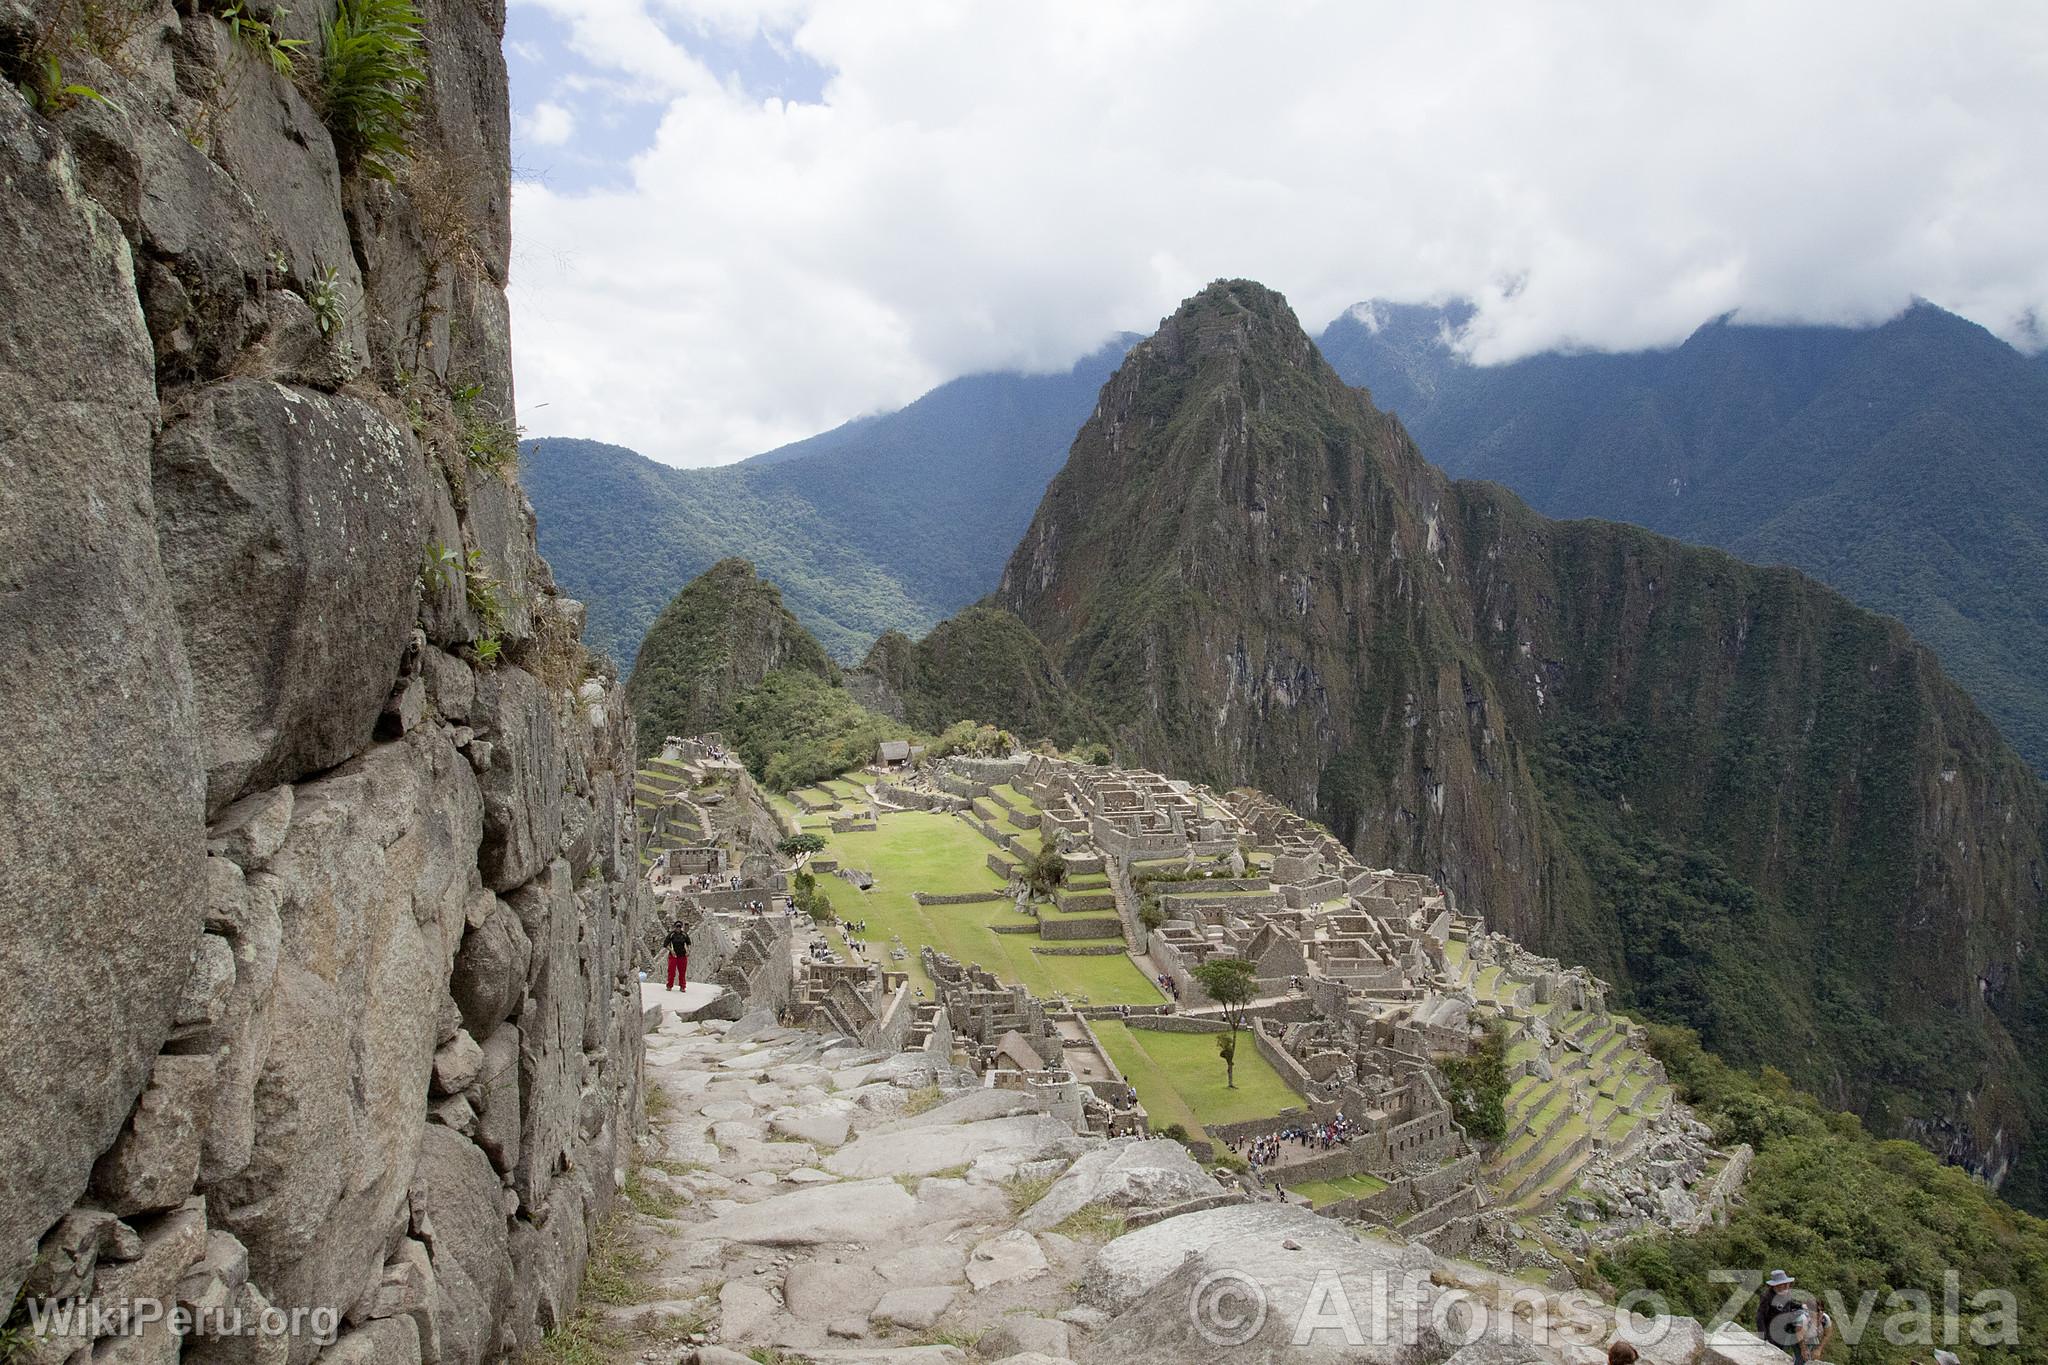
x,y
678,957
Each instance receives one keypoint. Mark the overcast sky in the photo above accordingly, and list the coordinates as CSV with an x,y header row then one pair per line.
x,y
738,222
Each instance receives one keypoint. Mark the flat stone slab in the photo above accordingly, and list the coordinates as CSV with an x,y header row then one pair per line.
x,y
743,1308
852,1211
826,1127
935,1263
915,1308
1005,1259
922,1151
969,1108
826,1291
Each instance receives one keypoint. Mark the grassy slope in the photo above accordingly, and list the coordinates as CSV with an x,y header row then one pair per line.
x,y
1180,1078
943,855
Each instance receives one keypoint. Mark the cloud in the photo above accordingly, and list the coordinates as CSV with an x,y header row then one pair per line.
x,y
549,125
993,186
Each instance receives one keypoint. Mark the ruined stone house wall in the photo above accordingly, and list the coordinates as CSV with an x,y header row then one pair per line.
x,y
322,894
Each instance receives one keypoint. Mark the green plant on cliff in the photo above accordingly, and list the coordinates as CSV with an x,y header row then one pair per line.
x,y
323,296
1478,1086
489,441
372,83
261,36
44,86
1844,1212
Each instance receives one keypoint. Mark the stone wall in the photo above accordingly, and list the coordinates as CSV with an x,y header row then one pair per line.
x,y
320,834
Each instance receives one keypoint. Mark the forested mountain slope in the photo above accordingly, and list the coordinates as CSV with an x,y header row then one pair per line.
x,y
885,523
1906,465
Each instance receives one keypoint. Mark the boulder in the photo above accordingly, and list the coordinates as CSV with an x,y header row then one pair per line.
x,y
522,785
250,830
491,969
923,1151
68,1253
387,1341
456,1064
372,877
870,1211
265,495
1240,1282
205,997
550,1033
455,1196
94,665
246,909
823,1125
1730,1345
154,1163
1148,1174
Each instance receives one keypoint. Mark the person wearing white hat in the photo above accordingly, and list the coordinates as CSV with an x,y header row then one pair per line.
x,y
1778,1313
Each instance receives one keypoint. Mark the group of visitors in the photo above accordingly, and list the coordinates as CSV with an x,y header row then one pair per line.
x,y
1324,1136
1166,983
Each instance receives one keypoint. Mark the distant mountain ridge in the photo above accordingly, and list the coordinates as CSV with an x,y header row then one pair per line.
x,y
1904,464
884,523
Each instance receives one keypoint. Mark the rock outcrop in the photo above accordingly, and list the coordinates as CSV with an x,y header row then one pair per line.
x,y
324,900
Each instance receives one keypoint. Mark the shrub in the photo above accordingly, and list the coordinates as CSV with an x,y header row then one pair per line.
x,y
372,83
1478,1086
1047,870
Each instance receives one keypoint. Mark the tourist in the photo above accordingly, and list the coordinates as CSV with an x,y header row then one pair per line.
x,y
678,957
1813,1330
1778,1312
1623,1353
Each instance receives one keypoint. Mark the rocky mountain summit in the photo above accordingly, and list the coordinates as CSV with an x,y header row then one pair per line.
x,y
1762,809
323,900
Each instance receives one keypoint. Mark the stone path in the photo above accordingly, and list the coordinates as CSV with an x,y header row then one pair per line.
x,y
803,1194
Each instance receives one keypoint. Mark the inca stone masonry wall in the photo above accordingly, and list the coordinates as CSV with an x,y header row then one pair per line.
x,y
317,930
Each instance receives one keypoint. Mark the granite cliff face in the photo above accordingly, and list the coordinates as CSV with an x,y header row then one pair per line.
x,y
323,875
1760,808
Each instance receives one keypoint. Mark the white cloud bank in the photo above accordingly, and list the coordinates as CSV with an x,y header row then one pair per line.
x,y
993,185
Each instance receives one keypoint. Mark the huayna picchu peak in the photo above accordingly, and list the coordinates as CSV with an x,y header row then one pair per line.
x,y
1757,807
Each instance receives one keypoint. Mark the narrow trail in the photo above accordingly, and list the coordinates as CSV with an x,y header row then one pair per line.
x,y
796,1193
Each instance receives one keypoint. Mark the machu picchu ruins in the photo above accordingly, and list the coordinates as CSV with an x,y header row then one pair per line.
x,y
1365,979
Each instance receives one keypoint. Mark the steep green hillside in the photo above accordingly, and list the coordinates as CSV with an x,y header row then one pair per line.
x,y
886,523
1760,808
983,664
721,635
1906,465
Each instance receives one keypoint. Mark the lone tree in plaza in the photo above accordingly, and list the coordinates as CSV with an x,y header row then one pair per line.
x,y
801,843
1228,981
